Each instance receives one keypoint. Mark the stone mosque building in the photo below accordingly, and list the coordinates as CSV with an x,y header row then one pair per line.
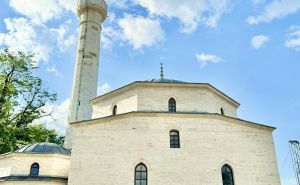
x,y
156,132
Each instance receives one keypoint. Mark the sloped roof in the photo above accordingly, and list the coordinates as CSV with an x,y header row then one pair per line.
x,y
165,82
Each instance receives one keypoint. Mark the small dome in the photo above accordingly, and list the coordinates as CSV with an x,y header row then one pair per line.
x,y
44,148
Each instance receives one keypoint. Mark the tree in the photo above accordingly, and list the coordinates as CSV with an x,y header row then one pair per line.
x,y
39,133
22,98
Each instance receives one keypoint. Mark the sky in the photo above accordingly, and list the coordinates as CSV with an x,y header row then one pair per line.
x,y
249,49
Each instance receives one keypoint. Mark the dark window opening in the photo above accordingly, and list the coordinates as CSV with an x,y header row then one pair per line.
x,y
227,175
140,174
172,105
174,139
34,170
115,110
222,111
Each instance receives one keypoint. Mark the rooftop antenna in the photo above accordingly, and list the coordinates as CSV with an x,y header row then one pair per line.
x,y
161,71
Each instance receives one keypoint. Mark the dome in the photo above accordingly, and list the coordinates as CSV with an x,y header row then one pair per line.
x,y
164,80
44,148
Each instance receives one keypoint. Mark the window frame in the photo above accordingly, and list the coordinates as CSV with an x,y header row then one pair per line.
x,y
177,141
140,180
115,110
231,174
222,112
34,166
172,105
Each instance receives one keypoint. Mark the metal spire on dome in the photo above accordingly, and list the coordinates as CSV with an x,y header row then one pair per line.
x,y
161,71
162,79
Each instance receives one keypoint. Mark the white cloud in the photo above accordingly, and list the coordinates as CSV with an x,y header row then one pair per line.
x,y
140,31
26,36
275,10
59,117
109,35
69,5
41,11
105,88
256,2
191,13
63,39
53,69
118,3
293,40
206,58
259,41
22,36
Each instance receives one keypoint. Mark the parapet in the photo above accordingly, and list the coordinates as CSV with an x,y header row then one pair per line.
x,y
98,5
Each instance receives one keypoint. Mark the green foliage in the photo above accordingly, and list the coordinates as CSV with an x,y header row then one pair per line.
x,y
22,97
39,133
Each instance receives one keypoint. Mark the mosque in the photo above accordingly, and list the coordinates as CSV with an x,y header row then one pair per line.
x,y
155,132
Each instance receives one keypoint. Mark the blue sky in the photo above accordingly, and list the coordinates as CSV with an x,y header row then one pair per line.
x,y
248,49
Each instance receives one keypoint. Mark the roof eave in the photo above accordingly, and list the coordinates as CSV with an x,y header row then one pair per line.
x,y
178,113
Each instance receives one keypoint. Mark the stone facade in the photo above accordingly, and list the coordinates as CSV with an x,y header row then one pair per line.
x,y
106,150
32,183
19,164
143,96
126,102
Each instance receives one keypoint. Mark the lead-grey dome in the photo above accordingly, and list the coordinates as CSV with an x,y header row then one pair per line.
x,y
44,148
164,80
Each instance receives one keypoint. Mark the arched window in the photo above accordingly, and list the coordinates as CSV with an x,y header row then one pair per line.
x,y
172,105
115,110
174,139
222,111
140,174
34,170
227,175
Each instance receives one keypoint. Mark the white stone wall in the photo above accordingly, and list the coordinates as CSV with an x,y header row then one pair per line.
x,y
106,151
188,99
50,164
155,97
31,183
126,102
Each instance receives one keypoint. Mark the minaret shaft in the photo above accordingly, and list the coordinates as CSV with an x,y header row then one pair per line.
x,y
92,13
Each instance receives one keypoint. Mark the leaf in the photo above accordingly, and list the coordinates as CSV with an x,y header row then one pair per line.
x,y
22,97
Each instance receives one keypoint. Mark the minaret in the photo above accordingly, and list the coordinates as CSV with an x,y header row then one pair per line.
x,y
92,13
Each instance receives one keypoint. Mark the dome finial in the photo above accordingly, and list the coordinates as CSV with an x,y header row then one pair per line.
x,y
161,71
